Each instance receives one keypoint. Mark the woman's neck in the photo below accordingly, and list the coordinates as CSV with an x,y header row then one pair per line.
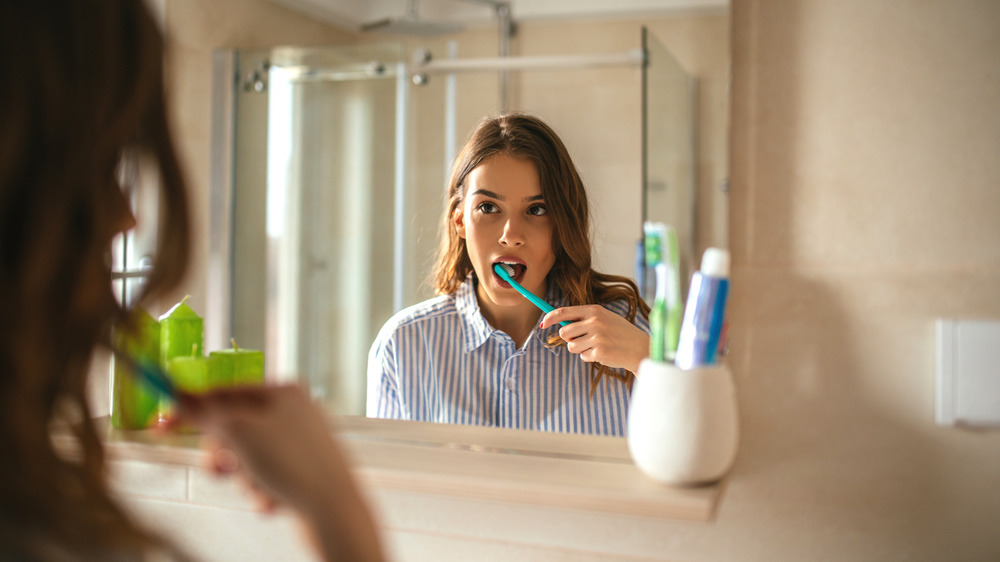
x,y
515,321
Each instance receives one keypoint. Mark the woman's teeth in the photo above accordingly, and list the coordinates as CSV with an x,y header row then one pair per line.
x,y
513,269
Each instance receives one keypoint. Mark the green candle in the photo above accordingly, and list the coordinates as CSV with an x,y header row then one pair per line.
x,y
247,364
197,374
180,331
182,334
133,403
220,371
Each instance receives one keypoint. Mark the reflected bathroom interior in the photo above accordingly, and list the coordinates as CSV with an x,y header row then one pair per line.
x,y
338,159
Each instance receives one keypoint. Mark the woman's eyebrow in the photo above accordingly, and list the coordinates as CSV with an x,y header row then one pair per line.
x,y
488,193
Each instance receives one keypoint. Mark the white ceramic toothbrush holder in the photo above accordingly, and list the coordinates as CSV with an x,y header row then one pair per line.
x,y
683,426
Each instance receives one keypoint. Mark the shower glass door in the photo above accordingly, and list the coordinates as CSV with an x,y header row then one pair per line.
x,y
669,148
316,171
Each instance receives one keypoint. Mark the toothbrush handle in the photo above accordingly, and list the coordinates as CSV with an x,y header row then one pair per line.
x,y
546,307
150,373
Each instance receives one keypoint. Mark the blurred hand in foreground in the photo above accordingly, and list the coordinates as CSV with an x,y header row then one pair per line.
x,y
282,446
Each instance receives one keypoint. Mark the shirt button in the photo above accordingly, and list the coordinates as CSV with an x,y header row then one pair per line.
x,y
509,383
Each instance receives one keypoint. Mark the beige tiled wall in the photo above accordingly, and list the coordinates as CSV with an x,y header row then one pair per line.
x,y
865,204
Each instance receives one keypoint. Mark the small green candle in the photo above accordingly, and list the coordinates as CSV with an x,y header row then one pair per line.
x,y
197,374
133,403
247,364
220,371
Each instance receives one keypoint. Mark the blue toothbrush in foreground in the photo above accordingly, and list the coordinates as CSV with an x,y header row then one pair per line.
x,y
507,274
150,373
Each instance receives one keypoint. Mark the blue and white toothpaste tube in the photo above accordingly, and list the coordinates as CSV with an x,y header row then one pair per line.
x,y
705,312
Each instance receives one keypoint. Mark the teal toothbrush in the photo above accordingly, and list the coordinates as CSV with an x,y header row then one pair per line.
x,y
150,373
507,275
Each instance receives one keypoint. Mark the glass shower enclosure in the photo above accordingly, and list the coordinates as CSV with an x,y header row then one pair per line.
x,y
316,172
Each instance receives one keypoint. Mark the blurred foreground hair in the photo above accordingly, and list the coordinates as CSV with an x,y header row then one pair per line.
x,y
82,94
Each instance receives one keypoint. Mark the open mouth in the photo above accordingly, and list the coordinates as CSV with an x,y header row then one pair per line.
x,y
517,275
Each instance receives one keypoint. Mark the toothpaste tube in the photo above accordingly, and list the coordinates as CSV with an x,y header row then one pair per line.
x,y
704,314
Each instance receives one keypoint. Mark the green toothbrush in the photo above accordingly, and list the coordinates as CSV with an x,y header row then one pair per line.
x,y
665,314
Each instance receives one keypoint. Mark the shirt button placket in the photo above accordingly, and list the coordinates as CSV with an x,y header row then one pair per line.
x,y
510,372
510,391
503,389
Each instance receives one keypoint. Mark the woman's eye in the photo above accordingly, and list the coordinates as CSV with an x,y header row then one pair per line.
x,y
537,210
486,207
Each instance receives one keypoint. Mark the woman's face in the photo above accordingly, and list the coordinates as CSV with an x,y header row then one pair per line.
x,y
121,218
504,220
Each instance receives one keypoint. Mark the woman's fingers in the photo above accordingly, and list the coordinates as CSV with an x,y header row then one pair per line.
x,y
602,336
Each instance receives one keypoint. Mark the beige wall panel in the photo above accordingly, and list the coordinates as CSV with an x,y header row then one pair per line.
x,y
865,205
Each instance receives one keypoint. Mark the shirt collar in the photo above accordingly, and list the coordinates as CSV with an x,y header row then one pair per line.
x,y
478,330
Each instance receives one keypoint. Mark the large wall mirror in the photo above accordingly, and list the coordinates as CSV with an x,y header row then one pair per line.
x,y
331,166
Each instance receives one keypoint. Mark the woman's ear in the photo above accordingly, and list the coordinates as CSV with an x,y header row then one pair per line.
x,y
458,218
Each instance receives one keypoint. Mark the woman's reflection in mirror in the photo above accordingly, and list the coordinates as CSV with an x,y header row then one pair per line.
x,y
480,353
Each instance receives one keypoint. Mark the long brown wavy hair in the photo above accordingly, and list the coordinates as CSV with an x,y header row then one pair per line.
x,y
525,136
82,87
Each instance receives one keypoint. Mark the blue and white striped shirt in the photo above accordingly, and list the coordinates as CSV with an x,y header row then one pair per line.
x,y
441,361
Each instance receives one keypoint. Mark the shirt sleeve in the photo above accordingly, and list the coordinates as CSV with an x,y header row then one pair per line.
x,y
621,308
383,398
641,322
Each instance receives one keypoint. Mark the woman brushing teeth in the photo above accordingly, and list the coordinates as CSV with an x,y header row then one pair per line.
x,y
479,353
504,220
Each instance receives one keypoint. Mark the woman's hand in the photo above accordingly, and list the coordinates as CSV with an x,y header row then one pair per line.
x,y
282,445
598,335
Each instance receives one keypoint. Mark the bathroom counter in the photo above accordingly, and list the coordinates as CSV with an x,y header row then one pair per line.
x,y
528,467
438,490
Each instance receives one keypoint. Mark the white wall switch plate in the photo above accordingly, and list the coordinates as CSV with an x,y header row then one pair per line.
x,y
968,372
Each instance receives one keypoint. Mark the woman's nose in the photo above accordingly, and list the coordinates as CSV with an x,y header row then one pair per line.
x,y
512,234
122,219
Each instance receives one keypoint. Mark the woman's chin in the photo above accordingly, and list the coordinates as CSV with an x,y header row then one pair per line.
x,y
505,297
